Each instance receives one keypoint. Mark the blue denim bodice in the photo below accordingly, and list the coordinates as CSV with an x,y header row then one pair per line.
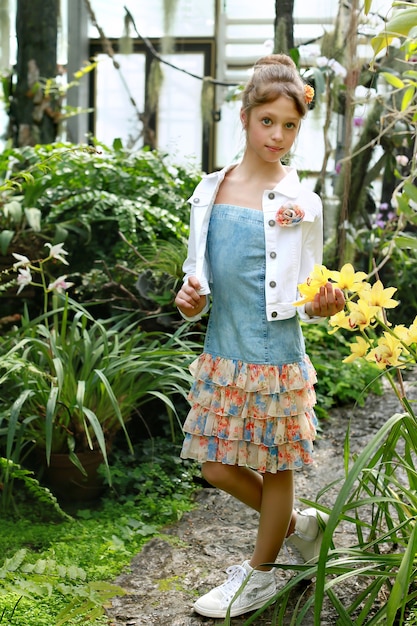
x,y
238,327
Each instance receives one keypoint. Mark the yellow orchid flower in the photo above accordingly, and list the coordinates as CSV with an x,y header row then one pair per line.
x,y
347,279
378,296
412,333
319,274
318,278
362,314
387,353
402,332
339,320
358,349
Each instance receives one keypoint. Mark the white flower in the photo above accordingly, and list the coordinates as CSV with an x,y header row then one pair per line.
x,y
337,68
24,278
60,284
268,46
402,160
57,251
22,260
322,61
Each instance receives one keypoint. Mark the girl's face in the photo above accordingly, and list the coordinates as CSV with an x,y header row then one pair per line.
x,y
271,128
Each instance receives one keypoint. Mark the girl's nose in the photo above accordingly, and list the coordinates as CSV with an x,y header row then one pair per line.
x,y
277,133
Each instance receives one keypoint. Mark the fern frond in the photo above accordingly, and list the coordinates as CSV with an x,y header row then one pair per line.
x,y
39,492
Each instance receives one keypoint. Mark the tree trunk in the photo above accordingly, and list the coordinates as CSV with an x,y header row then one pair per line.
x,y
284,26
34,109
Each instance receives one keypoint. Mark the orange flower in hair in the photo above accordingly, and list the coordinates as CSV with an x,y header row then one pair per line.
x,y
308,93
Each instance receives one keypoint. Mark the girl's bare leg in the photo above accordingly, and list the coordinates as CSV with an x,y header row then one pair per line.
x,y
275,516
242,483
271,495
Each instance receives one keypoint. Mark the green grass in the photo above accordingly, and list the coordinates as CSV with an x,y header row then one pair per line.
x,y
67,563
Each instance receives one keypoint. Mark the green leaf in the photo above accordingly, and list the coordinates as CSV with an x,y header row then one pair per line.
x,y
410,74
407,97
403,580
360,463
50,420
411,191
367,7
402,22
399,26
393,80
6,237
407,243
13,563
61,233
404,207
118,145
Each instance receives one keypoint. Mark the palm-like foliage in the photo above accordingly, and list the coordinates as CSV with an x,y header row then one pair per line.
x,y
74,381
379,498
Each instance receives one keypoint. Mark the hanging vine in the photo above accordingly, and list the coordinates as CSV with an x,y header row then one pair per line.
x,y
167,42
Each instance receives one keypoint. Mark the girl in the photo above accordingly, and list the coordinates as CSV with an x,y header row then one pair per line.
x,y
255,234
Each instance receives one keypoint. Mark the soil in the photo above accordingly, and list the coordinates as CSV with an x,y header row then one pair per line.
x,y
174,569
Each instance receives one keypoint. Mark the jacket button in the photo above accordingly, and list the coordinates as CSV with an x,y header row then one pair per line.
x,y
274,314
273,255
271,196
272,284
271,222
196,200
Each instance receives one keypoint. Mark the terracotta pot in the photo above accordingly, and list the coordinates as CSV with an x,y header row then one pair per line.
x,y
66,481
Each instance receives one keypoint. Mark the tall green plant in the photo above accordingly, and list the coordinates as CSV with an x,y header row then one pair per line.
x,y
72,381
94,194
378,493
108,206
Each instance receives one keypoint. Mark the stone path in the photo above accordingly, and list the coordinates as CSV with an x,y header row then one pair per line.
x,y
174,569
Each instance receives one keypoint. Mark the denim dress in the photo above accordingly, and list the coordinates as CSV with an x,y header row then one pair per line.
x,y
252,398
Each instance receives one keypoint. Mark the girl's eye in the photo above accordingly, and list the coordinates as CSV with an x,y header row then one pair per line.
x,y
266,121
290,125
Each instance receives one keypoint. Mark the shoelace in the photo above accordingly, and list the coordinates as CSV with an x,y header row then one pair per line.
x,y
237,575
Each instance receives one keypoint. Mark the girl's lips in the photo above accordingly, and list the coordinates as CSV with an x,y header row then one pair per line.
x,y
273,149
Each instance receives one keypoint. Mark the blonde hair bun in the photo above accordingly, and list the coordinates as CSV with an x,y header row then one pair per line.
x,y
273,76
276,59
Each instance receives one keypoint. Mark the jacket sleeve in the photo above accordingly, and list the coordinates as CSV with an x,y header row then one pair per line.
x,y
311,255
190,266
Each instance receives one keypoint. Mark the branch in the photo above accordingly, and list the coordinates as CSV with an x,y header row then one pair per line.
x,y
157,56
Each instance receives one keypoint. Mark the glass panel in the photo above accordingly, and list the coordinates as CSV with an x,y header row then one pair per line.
x,y
248,8
230,138
315,8
179,115
114,114
193,19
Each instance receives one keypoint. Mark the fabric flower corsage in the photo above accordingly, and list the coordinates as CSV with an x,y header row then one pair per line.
x,y
308,93
289,215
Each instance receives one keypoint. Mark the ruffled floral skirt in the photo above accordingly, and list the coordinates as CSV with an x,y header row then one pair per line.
x,y
259,416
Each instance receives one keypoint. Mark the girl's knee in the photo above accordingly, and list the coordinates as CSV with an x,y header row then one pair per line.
x,y
214,473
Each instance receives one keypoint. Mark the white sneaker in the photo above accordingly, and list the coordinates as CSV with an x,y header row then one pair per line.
x,y
260,588
305,542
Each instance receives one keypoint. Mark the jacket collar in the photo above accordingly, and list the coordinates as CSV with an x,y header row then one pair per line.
x,y
290,185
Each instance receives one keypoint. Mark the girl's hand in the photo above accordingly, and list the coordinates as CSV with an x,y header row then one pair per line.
x,y
327,302
188,300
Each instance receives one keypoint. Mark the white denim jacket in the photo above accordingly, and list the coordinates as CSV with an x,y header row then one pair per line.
x,y
291,252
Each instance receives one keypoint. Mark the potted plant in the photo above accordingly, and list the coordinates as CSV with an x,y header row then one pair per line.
x,y
73,380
